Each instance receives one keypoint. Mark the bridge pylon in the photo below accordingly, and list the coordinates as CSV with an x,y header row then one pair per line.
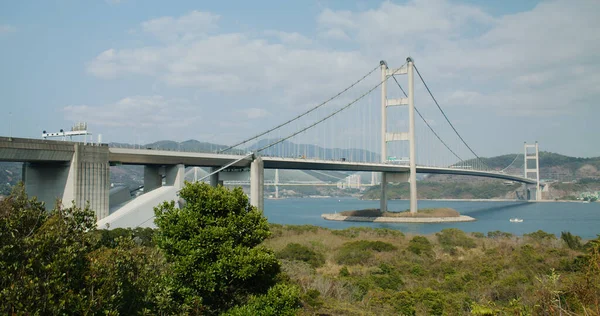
x,y
529,171
409,136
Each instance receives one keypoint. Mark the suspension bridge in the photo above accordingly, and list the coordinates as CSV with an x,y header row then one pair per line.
x,y
353,130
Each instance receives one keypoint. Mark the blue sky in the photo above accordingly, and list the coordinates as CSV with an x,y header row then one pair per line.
x,y
141,71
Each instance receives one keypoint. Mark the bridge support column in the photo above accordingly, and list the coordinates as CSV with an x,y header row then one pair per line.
x,y
257,183
152,177
383,199
175,176
214,179
85,179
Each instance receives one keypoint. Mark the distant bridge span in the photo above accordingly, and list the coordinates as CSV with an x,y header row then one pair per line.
x,y
130,156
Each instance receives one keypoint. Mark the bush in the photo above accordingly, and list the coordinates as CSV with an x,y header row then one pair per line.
x,y
499,234
420,245
353,232
540,235
281,299
450,238
572,241
294,251
358,252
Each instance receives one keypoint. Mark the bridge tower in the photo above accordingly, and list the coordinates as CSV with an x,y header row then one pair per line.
x,y
276,183
529,171
409,136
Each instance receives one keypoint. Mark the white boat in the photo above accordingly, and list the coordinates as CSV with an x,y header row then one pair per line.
x,y
516,220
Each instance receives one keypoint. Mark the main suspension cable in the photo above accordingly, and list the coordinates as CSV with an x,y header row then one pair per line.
x,y
446,117
424,120
301,115
328,116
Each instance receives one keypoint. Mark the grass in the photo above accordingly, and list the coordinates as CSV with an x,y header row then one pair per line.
x,y
375,272
427,212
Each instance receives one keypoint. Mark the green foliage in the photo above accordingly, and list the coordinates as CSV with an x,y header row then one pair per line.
x,y
499,234
294,251
572,241
478,234
357,252
43,256
420,245
353,232
344,272
281,299
450,238
312,298
125,279
143,236
388,278
540,235
212,244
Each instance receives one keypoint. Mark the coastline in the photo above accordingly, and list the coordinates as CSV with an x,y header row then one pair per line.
x,y
488,200
338,217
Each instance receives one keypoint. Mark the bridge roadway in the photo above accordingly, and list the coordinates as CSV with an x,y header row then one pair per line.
x,y
163,157
37,150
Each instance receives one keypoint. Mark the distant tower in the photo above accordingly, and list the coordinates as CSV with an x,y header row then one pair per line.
x,y
529,171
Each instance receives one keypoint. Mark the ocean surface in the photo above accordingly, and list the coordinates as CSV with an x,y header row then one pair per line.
x,y
582,219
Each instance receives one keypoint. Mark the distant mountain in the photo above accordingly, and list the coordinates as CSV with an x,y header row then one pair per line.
x,y
552,166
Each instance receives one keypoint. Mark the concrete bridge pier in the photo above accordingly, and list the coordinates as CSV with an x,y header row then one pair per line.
x,y
85,179
383,198
153,176
257,183
214,179
394,177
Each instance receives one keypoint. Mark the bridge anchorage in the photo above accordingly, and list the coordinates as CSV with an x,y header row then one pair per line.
x,y
326,137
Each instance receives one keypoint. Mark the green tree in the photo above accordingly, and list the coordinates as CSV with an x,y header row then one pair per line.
x,y
212,245
125,279
43,256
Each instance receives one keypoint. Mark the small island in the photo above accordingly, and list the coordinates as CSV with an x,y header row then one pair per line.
x,y
430,215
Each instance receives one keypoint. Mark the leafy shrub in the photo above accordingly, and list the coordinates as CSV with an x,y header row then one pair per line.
x,y
281,299
351,256
450,238
540,235
353,232
499,234
572,241
358,252
312,298
420,245
388,279
477,235
344,272
294,251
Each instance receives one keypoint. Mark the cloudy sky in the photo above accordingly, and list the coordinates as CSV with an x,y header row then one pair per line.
x,y
141,71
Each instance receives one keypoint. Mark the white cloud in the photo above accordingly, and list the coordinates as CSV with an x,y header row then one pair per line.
x,y
290,38
185,28
145,112
508,64
6,29
254,113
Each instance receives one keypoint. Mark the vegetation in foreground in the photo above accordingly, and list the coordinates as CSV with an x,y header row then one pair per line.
x,y
218,255
203,259
426,212
364,271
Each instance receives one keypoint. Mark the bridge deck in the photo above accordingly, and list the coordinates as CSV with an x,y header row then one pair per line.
x,y
39,150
